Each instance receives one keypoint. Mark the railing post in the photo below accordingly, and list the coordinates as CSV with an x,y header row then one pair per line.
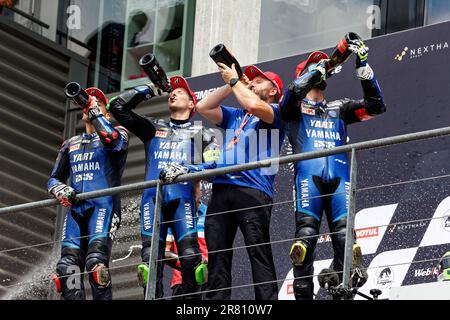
x,y
349,234
150,293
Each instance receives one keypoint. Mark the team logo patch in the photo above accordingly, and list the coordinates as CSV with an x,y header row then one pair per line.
x,y
309,111
74,147
446,222
384,278
161,134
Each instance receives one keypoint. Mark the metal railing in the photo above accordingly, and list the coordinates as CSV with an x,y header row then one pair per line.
x,y
353,148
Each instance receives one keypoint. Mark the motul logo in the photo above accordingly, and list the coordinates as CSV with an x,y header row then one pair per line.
x,y
367,232
290,289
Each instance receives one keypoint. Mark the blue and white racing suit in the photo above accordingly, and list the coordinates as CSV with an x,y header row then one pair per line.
x,y
92,162
168,142
315,126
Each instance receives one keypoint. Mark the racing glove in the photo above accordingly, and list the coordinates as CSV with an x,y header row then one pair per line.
x,y
321,67
172,171
360,49
65,194
363,70
155,90
92,110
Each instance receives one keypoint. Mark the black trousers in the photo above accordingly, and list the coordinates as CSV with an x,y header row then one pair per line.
x,y
220,231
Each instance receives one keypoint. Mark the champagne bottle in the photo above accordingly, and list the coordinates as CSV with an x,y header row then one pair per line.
x,y
341,53
221,54
155,72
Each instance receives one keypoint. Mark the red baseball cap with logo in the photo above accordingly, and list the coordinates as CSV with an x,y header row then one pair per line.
x,y
314,57
96,92
252,72
180,82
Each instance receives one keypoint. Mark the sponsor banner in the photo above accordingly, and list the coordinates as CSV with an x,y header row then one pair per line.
x,y
386,270
409,68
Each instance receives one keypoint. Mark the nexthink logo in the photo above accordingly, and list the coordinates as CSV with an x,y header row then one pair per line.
x,y
400,56
421,51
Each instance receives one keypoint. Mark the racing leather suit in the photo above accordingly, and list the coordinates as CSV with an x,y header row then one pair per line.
x,y
321,125
92,161
168,142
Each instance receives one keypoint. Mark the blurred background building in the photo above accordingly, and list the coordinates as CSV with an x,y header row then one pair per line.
x,y
113,34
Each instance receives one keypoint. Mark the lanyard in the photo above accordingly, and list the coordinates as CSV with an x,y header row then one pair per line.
x,y
235,139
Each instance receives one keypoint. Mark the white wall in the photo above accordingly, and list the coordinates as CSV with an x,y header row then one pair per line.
x,y
234,23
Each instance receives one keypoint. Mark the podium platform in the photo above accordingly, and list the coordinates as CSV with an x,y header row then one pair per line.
x,y
425,291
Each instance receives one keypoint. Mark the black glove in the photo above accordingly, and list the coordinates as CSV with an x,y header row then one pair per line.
x,y
65,194
93,110
171,171
321,66
155,91
360,49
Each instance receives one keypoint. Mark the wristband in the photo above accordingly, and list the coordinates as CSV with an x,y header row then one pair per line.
x,y
233,82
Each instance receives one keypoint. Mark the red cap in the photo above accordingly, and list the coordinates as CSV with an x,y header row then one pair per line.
x,y
96,92
252,72
180,82
314,57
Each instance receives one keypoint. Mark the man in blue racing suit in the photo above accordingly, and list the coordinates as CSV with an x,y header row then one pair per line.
x,y
94,160
314,124
167,144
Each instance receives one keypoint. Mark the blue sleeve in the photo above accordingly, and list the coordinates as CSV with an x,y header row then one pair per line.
x,y
227,114
115,139
276,116
202,167
202,209
61,170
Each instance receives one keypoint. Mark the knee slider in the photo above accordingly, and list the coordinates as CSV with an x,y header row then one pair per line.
x,y
97,266
201,273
